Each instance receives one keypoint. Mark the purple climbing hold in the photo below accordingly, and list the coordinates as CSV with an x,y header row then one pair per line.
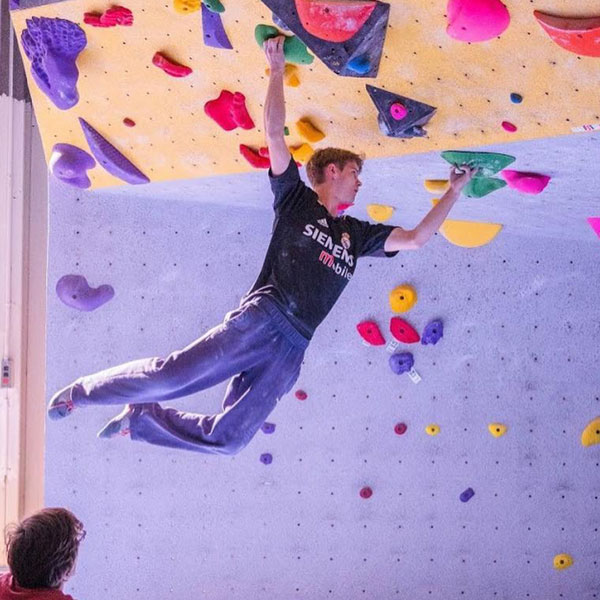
x,y
212,30
110,158
13,4
266,458
52,46
467,495
75,292
401,362
70,163
268,427
433,332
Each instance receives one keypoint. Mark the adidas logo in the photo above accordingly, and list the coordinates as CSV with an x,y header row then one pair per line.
x,y
323,222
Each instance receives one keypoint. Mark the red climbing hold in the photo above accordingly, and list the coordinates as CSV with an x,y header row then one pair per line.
x,y
369,331
169,67
366,492
400,428
128,122
229,111
256,159
116,15
509,126
403,331
301,395
332,20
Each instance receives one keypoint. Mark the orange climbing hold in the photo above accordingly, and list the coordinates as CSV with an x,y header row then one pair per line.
x,y
332,20
581,36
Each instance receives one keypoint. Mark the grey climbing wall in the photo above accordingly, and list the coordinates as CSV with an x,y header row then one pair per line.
x,y
522,322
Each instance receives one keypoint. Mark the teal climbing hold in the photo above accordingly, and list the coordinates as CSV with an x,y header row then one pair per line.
x,y
487,163
214,6
294,49
482,186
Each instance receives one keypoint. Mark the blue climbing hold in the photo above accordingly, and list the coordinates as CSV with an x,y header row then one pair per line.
x,y
266,458
401,362
433,332
268,427
360,64
467,495
516,98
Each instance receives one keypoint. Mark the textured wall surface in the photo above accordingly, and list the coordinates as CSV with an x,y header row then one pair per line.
x,y
522,320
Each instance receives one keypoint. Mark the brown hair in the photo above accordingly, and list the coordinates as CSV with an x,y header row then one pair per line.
x,y
42,549
315,167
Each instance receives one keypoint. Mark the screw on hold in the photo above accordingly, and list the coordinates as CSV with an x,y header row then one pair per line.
x,y
266,458
400,428
268,427
516,98
301,395
398,111
366,492
467,495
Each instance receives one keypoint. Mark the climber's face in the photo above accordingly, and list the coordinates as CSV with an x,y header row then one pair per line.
x,y
347,182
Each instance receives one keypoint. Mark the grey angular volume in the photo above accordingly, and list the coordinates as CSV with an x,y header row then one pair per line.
x,y
110,158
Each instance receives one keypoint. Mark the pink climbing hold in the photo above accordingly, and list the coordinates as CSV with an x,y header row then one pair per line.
x,y
229,111
529,183
301,395
128,122
594,224
400,428
257,159
509,126
366,492
398,111
369,331
476,20
403,331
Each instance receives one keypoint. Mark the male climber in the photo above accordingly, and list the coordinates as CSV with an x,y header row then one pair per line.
x,y
311,257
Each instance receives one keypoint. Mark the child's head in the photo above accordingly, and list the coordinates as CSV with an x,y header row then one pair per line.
x,y
42,549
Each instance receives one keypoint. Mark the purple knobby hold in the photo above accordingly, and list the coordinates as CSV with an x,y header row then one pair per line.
x,y
52,46
266,459
433,332
213,31
110,158
268,427
75,292
401,362
467,495
70,164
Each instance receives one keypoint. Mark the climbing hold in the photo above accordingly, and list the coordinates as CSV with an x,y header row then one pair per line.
x,y
398,111
562,561
229,111
70,164
110,158
286,130
184,7
347,36
52,46
379,212
366,492
402,298
290,75
482,186
529,183
213,32
516,98
401,362
268,427
581,36
476,20
594,224
400,428
255,158
128,122
169,67
266,458
403,331
497,429
294,49
437,186
302,153
432,429
508,126
486,163
417,114
301,395
468,234
75,292
214,5
370,332
433,332
308,131
591,434
467,495
113,16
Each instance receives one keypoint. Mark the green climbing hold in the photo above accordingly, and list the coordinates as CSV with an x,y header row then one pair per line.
x,y
481,186
214,6
487,163
286,130
294,49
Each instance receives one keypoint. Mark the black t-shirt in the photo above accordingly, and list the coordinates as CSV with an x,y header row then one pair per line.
x,y
312,255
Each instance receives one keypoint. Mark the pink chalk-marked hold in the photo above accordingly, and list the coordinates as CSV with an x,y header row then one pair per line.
x,y
366,492
301,395
476,20
594,224
528,183
509,126
75,292
398,111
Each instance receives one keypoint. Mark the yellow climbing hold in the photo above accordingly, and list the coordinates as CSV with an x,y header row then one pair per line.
x,y
403,298
497,429
185,7
563,561
290,75
302,153
379,212
308,131
591,434
437,186
432,429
